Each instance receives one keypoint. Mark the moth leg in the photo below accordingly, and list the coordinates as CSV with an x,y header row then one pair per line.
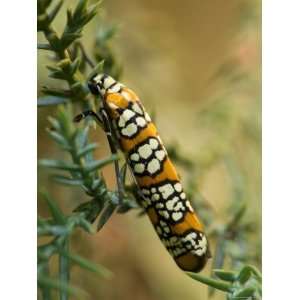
x,y
88,113
105,123
103,120
137,192
109,134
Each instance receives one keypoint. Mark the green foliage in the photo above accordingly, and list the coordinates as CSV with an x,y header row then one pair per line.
x,y
60,227
82,170
71,66
243,284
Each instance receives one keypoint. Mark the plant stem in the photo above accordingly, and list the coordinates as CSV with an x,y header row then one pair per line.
x,y
54,41
46,291
64,275
218,284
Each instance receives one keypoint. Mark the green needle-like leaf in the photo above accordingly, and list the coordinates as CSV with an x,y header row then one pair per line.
x,y
87,226
217,284
75,65
80,8
60,93
57,164
50,100
96,70
55,11
244,274
64,269
59,138
54,123
67,181
81,137
86,264
55,230
226,275
56,284
55,210
42,46
98,164
88,148
245,293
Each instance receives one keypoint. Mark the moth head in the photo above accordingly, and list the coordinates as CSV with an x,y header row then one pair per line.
x,y
115,95
102,84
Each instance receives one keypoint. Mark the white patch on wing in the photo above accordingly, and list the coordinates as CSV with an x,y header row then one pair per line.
x,y
145,151
127,114
189,206
137,108
153,143
177,216
202,244
164,226
135,157
129,130
155,197
166,190
98,78
140,121
108,81
153,166
182,195
178,206
116,88
164,213
178,187
139,168
199,251
121,122
147,117
160,154
198,246
159,205
170,204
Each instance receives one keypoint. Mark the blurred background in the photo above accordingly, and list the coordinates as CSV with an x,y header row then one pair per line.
x,y
196,67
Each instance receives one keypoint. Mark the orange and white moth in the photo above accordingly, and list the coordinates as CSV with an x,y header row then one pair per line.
x,y
164,200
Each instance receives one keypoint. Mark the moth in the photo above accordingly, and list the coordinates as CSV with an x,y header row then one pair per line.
x,y
162,194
